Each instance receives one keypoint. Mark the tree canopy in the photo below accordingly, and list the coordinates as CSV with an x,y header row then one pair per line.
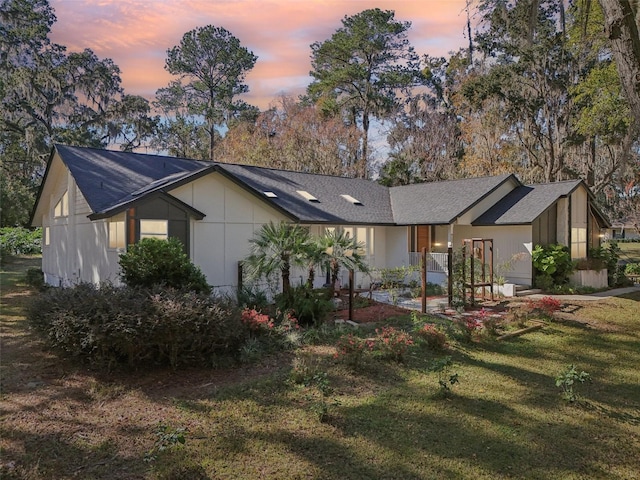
x,y
211,65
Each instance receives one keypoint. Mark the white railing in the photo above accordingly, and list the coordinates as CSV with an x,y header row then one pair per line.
x,y
436,262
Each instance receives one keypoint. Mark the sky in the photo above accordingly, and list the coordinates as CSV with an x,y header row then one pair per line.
x,y
136,34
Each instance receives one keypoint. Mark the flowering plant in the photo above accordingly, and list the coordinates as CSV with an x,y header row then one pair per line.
x,y
256,320
432,337
350,349
392,343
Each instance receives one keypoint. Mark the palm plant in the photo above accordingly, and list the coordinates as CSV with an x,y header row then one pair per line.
x,y
276,248
342,251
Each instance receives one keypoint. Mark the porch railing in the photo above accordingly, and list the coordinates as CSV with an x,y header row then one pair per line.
x,y
436,262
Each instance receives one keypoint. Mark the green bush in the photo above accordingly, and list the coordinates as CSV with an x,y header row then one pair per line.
x,y
309,306
161,262
35,278
108,325
20,241
552,261
632,269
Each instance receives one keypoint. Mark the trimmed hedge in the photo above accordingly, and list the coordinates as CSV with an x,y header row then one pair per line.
x,y
109,326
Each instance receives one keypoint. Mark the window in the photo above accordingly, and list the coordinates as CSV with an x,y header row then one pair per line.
x,y
578,243
116,232
306,195
62,207
47,236
154,229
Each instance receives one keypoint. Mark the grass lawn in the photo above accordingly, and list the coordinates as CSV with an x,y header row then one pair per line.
x,y
386,420
630,251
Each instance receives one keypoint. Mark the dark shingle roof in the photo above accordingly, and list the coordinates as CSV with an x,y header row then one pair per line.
x,y
109,178
439,203
526,203
331,207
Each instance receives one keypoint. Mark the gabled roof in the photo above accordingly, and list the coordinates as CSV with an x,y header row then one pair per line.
x,y
440,203
527,202
111,180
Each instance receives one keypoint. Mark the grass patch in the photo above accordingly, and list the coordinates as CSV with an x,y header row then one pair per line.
x,y
630,251
504,419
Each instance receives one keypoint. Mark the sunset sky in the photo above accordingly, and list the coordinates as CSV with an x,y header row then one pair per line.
x,y
137,33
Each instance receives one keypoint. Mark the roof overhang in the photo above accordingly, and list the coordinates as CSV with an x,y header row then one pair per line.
x,y
192,212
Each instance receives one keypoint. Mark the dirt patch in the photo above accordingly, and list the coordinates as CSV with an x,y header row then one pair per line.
x,y
374,312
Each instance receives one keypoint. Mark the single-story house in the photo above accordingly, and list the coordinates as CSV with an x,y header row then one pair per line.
x,y
93,203
625,229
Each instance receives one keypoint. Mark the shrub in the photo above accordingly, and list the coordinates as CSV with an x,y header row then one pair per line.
x,y
109,325
632,269
392,343
431,337
467,327
20,241
553,261
350,349
307,305
35,278
161,262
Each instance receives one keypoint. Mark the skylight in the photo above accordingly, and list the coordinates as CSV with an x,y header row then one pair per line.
x,y
349,198
306,195
270,195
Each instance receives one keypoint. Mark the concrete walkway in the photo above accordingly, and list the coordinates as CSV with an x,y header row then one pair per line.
x,y
590,297
440,303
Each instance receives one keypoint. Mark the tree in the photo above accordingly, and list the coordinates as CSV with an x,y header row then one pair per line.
x,y
293,135
276,248
622,25
211,65
48,95
342,251
362,68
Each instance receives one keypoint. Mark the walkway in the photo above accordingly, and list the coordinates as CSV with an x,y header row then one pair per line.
x,y
439,303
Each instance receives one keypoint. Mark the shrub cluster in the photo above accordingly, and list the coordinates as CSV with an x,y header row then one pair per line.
x,y
20,241
108,325
153,262
552,265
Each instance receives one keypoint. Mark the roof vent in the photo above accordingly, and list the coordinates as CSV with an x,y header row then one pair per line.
x,y
349,198
270,195
306,195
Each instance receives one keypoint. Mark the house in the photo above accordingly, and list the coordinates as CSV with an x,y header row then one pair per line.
x,y
92,203
625,229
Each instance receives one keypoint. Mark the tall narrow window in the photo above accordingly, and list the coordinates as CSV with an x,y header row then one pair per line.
x,y
47,236
154,229
62,207
578,243
116,232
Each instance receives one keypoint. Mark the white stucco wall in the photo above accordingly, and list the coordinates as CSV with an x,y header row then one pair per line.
x,y
508,241
77,251
220,240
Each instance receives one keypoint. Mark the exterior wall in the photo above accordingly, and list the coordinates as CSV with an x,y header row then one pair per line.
x,y
220,240
579,221
562,219
486,203
77,251
511,249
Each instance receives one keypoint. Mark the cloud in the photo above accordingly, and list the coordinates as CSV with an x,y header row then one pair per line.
x,y
137,33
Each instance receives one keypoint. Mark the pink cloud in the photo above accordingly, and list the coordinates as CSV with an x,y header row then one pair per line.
x,y
137,33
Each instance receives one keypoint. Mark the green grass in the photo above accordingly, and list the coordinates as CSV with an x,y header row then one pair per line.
x,y
506,418
630,251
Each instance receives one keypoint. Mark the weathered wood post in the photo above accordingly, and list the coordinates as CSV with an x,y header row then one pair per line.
x,y
351,294
424,279
450,277
239,276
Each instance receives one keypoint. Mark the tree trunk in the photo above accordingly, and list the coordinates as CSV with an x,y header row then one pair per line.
x,y
365,144
621,27
286,273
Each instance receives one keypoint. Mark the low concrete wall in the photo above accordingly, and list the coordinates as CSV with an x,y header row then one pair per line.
x,y
589,278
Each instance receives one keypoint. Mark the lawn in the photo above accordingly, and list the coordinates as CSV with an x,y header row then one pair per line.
x,y
630,251
386,420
